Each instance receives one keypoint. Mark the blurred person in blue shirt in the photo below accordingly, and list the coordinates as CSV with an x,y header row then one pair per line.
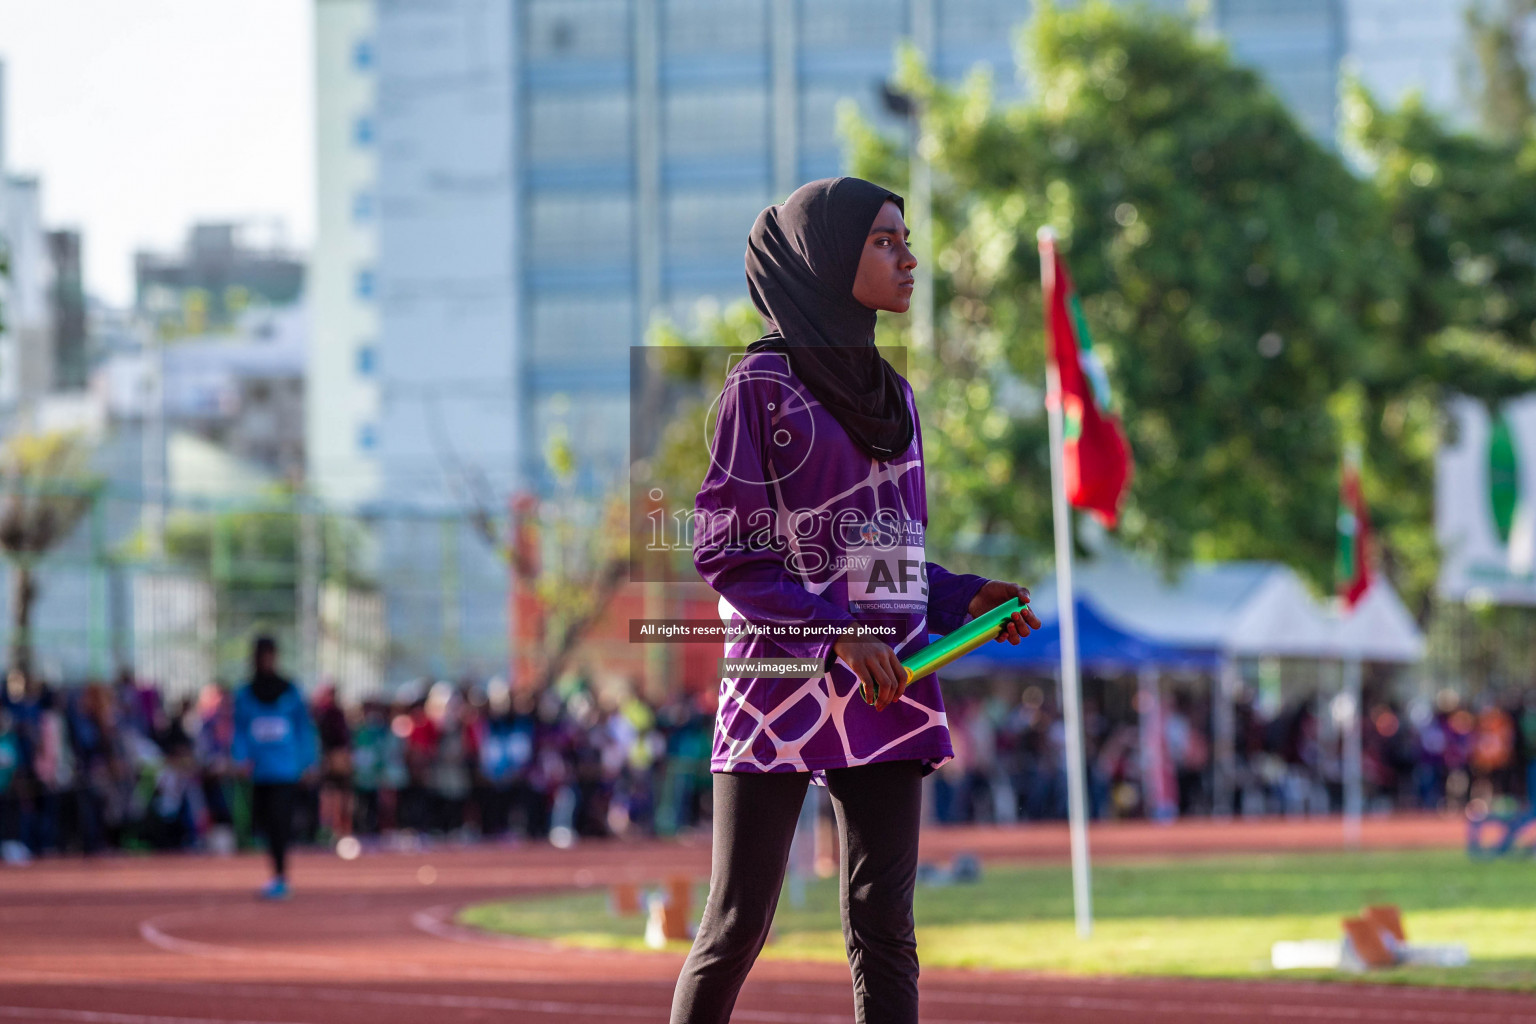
x,y
275,745
505,743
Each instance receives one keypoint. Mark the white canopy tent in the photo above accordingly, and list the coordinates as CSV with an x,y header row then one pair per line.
x,y
1280,619
1243,609
1379,629
1246,610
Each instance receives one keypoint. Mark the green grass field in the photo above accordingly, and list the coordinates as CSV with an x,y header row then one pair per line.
x,y
1205,918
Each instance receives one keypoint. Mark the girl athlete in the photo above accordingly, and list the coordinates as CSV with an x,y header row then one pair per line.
x,y
275,746
813,514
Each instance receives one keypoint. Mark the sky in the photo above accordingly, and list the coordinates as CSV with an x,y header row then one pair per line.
x,y
141,117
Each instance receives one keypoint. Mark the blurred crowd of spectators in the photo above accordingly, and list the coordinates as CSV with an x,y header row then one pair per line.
x,y
99,766
1445,753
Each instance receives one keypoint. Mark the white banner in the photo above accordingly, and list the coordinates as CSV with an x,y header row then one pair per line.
x,y
1485,502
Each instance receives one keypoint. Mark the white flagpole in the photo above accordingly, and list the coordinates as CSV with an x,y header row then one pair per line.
x,y
1354,788
1071,700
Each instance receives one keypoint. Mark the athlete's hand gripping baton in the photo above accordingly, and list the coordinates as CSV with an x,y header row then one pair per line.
x,y
961,642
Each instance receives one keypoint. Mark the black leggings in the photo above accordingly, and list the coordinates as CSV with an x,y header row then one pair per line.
x,y
272,814
878,808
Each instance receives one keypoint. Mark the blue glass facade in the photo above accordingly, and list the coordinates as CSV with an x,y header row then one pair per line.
x,y
651,133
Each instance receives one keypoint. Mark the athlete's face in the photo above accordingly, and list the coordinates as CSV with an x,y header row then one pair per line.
x,y
884,280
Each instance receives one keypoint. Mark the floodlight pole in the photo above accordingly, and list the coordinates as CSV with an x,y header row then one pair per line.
x,y
1071,695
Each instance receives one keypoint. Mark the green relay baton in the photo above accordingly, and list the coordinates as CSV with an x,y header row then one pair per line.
x,y
955,645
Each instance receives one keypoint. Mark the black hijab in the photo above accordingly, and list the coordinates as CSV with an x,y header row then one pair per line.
x,y
267,687
802,258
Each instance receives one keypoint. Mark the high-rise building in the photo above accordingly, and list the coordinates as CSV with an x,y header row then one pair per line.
x,y
1297,45
1403,46
341,429
26,362
510,192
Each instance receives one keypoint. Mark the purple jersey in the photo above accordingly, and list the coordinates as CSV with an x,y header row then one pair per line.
x,y
796,526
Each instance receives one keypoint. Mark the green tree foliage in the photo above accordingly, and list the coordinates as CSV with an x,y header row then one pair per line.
x,y
1461,210
260,546
1235,271
253,558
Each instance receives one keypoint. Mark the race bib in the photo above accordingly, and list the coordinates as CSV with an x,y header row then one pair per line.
x,y
495,755
269,728
886,568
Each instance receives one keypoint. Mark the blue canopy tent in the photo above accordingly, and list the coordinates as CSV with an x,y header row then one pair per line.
x,y
1102,646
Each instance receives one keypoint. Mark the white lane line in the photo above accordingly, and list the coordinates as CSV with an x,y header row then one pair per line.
x,y
353,997
1273,1006
1277,1004
556,1007
437,922
105,1017
434,922
18,975
152,930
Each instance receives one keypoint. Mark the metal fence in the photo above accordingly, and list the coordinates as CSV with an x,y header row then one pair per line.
x,y
359,600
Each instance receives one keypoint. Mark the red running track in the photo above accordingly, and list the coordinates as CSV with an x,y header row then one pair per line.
x,y
179,940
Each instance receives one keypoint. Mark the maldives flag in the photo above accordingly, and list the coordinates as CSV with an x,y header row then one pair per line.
x,y
1097,460
1354,568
